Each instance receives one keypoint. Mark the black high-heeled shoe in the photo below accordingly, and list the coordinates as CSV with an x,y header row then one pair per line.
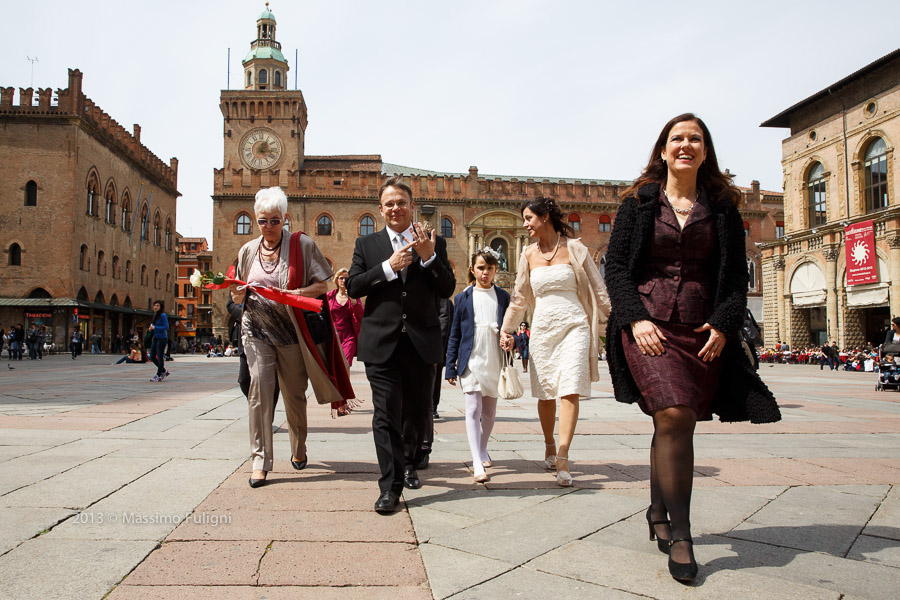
x,y
685,572
662,544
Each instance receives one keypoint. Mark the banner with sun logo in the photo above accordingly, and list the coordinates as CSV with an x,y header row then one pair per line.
x,y
862,261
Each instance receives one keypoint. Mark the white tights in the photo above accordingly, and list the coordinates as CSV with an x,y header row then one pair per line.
x,y
480,414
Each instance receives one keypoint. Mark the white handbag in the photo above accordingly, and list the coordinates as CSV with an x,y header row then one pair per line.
x,y
509,387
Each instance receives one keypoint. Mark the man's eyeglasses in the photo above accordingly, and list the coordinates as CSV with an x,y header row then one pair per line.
x,y
391,205
272,222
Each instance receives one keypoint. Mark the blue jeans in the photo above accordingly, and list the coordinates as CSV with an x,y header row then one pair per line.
x,y
158,354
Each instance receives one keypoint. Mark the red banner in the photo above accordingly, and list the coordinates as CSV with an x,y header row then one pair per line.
x,y
862,260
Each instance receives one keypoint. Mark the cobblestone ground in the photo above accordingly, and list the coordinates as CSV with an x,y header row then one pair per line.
x,y
112,483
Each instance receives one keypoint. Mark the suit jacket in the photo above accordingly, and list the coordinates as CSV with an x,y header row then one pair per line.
x,y
462,332
397,306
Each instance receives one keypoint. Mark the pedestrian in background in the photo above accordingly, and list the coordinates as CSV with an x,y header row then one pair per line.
x,y
159,329
346,314
677,277
76,340
522,336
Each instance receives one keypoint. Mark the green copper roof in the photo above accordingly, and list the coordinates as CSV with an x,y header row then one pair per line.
x,y
264,52
266,14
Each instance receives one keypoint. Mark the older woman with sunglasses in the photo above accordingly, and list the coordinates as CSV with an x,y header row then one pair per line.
x,y
270,331
346,313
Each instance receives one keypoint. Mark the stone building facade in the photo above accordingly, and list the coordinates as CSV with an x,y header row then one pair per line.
x,y
81,239
839,170
193,305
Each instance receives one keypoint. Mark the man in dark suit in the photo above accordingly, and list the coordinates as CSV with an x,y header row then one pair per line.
x,y
400,270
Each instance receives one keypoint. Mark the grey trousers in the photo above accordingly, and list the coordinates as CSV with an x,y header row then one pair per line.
x,y
266,363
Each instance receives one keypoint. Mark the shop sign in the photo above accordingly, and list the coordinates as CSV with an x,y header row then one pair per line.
x,y
862,260
35,315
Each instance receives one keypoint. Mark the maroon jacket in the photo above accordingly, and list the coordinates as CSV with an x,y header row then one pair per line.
x,y
676,285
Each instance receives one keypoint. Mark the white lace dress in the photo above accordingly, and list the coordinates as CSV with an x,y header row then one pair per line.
x,y
560,336
482,372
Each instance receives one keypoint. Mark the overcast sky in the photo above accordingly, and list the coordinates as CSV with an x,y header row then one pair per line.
x,y
539,88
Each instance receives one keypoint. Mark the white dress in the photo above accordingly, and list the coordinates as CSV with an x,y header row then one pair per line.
x,y
482,372
560,336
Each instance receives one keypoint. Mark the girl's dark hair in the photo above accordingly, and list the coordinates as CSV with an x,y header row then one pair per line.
x,y
489,258
548,206
162,309
718,185
896,321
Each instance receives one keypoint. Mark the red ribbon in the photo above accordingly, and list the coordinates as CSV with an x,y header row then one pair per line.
x,y
279,296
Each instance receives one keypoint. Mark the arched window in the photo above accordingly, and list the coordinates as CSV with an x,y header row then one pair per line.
x,y
815,188
277,78
287,222
263,76
31,194
145,223
129,276
156,230
242,225
83,262
110,215
446,228
168,235
779,229
168,281
575,221
605,223
126,213
751,268
156,279
601,266
249,79
323,225
15,255
876,175
366,225
100,256
93,184
115,267
746,229
143,274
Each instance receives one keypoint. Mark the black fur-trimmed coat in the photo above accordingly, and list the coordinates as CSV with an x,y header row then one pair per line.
x,y
742,396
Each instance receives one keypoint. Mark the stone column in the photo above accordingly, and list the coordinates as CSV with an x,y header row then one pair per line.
x,y
779,298
471,245
894,270
518,246
831,255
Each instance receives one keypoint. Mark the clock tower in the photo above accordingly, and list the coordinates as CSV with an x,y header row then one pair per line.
x,y
263,139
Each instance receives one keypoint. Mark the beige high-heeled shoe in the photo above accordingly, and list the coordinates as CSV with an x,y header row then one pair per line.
x,y
563,477
482,478
550,459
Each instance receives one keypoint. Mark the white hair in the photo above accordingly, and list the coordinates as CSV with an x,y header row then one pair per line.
x,y
268,199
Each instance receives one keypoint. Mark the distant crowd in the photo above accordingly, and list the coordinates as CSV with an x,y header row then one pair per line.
x,y
828,355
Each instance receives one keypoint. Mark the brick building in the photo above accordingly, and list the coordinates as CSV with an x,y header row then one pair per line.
x,y
838,171
335,198
193,305
82,240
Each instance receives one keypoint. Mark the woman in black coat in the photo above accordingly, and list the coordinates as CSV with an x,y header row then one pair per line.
x,y
677,277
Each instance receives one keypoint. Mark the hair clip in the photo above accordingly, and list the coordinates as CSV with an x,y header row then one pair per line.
x,y
491,251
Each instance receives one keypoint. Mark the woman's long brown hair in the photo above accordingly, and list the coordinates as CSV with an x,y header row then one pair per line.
x,y
718,185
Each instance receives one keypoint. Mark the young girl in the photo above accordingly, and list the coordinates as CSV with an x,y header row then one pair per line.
x,y
473,353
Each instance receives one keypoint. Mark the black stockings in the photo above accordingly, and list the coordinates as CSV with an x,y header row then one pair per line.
x,y
672,475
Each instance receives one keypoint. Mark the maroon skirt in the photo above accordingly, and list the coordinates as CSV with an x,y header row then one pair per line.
x,y
678,377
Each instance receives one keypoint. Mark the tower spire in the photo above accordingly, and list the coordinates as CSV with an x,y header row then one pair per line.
x,y
265,67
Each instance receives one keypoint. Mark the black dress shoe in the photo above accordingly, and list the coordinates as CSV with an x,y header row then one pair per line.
x,y
299,464
423,462
387,503
255,483
684,572
411,479
435,415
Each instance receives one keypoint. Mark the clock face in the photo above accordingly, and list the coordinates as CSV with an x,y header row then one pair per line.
x,y
260,149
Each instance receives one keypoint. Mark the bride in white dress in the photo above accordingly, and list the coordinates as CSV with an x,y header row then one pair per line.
x,y
560,284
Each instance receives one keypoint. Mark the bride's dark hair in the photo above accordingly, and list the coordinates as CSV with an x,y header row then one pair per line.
x,y
548,206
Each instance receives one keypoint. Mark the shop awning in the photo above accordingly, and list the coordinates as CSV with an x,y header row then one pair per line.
x,y
870,294
808,286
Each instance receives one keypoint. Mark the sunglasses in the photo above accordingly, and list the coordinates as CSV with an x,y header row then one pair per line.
x,y
272,222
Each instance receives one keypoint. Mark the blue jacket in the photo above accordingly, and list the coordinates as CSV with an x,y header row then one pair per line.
x,y
161,327
462,330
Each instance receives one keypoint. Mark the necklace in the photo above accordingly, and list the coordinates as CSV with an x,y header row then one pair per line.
x,y
262,265
682,211
273,249
555,250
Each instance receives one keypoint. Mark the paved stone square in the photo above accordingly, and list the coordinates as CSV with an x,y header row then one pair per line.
x,y
113,485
